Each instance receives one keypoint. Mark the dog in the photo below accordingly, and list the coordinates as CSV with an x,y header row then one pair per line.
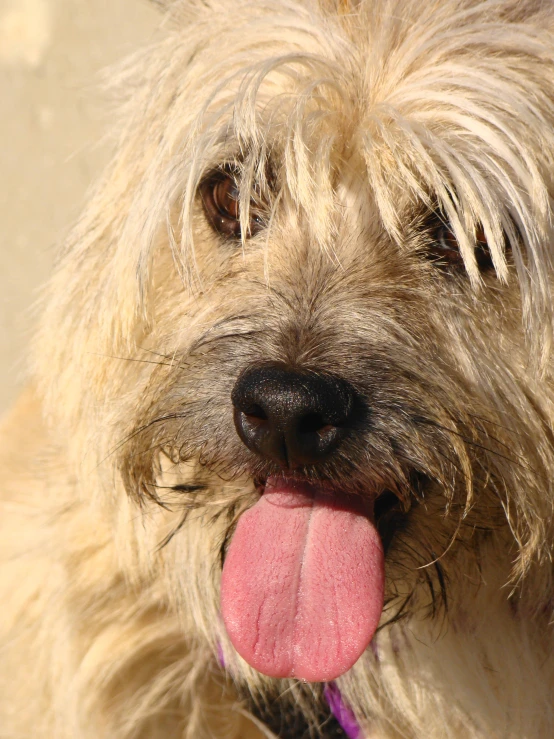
x,y
284,463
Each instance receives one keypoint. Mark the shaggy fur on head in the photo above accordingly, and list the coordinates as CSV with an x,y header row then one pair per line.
x,y
393,165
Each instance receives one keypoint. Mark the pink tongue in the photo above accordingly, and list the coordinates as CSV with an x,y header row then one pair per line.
x,y
302,586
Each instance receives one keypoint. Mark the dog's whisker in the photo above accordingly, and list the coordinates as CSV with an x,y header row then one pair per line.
x,y
169,538
472,443
142,361
512,430
142,429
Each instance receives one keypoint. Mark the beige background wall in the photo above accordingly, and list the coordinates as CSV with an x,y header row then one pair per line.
x,y
51,52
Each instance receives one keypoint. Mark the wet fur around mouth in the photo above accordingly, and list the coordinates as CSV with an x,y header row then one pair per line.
x,y
356,195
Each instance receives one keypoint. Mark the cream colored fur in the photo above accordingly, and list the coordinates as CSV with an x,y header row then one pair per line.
x,y
372,114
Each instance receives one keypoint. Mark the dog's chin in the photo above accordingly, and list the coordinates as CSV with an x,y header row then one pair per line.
x,y
303,581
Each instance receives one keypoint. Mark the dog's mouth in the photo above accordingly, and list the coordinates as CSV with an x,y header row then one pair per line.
x,y
303,581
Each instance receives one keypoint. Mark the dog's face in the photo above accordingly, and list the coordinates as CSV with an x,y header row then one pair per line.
x,y
325,250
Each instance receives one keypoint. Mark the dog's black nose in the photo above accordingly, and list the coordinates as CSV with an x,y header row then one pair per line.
x,y
292,417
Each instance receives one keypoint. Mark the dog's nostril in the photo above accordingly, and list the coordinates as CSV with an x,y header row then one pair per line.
x,y
255,412
292,417
313,423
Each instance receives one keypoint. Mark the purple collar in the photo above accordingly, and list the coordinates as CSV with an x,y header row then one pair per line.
x,y
341,711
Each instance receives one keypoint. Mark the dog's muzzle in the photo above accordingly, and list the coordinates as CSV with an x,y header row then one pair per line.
x,y
302,587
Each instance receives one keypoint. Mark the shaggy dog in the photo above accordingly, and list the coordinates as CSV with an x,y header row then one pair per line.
x,y
285,463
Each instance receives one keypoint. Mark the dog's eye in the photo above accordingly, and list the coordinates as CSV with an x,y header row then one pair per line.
x,y
221,200
444,250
